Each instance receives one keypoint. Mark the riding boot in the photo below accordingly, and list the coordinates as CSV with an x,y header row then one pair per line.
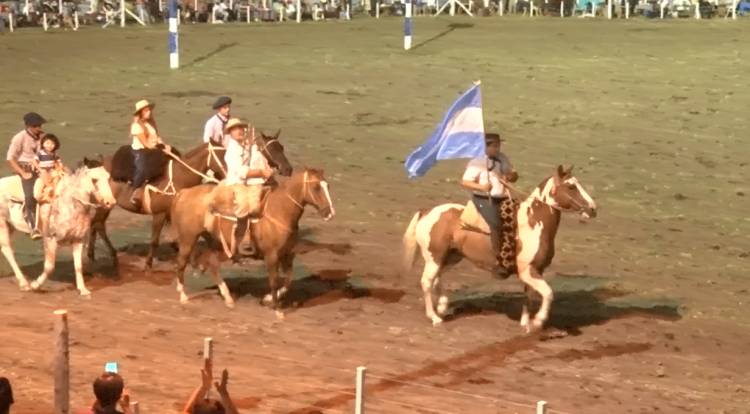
x,y
245,245
135,197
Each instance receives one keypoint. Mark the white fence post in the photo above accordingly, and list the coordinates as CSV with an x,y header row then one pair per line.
x,y
377,9
562,8
44,21
10,21
609,9
359,407
541,407
299,11
122,13
62,361
501,5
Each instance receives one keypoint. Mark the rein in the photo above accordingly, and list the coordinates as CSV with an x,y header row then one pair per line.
x,y
527,195
212,156
191,169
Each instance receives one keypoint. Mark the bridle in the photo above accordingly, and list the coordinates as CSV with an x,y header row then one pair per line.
x,y
305,191
213,157
264,148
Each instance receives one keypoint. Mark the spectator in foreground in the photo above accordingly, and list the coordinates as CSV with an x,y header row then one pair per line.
x,y
109,391
6,396
199,404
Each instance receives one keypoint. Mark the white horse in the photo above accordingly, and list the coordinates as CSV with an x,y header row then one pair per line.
x,y
443,241
66,220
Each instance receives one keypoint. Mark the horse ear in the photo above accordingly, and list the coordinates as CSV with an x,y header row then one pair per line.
x,y
560,171
278,132
569,171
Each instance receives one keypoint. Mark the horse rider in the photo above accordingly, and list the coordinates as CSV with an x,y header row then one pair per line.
x,y
484,176
245,163
213,132
21,153
145,136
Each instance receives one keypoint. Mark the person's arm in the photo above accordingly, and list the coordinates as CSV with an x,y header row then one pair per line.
x,y
226,400
125,402
14,151
470,180
208,132
258,165
200,392
139,133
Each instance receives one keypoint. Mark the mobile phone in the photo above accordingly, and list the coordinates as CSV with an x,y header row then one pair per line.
x,y
110,367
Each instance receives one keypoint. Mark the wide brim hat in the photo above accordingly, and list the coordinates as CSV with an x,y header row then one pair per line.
x,y
234,123
141,105
222,101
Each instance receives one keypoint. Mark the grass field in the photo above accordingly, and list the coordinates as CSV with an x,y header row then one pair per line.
x,y
654,115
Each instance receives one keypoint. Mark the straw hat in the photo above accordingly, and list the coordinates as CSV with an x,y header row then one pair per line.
x,y
234,122
141,105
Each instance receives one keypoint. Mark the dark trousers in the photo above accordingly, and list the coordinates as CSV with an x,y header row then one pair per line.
x,y
29,200
489,208
139,160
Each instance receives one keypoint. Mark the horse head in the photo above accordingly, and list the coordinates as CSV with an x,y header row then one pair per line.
x,y
272,149
315,191
563,191
94,181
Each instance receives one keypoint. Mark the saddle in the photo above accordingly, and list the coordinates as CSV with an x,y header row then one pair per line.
x,y
123,163
230,209
472,220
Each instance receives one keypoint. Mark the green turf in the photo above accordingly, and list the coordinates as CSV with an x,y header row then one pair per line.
x,y
654,114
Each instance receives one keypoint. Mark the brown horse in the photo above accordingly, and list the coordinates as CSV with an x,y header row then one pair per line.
x,y
178,175
443,241
274,234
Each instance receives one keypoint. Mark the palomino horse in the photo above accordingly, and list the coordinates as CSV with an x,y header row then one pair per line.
x,y
274,234
64,221
186,173
443,242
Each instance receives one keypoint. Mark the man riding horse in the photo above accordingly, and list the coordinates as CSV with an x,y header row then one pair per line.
x,y
214,132
484,176
21,152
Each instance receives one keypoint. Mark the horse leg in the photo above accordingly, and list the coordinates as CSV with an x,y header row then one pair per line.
x,y
7,249
91,249
110,246
272,267
533,279
157,224
213,265
443,303
50,253
78,263
430,273
187,245
525,318
287,267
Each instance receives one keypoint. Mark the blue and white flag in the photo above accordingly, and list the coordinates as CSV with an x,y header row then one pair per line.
x,y
459,135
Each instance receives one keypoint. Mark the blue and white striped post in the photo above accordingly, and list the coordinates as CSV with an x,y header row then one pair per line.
x,y
407,25
174,53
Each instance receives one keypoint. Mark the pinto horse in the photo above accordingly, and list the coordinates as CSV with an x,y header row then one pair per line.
x,y
274,234
188,172
443,242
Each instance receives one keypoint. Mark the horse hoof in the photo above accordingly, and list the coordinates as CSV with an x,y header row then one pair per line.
x,y
280,315
24,286
85,293
35,285
537,324
229,305
436,321
267,300
184,299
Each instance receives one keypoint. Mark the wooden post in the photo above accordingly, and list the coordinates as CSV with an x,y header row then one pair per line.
x,y
627,9
359,407
501,5
541,407
10,21
299,11
75,20
135,408
62,362
44,21
609,9
562,8
734,9
122,13
377,9
26,9
697,9
60,7
208,354
453,7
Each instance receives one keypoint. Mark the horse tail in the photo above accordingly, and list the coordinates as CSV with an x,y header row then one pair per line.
x,y
409,245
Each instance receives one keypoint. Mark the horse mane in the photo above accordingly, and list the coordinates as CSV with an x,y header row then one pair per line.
x,y
194,151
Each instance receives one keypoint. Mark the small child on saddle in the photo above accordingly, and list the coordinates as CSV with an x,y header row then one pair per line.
x,y
49,166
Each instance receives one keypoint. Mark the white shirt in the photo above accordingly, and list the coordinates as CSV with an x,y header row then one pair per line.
x,y
151,137
482,170
240,160
214,130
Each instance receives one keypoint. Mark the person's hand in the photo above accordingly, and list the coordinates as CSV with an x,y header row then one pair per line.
x,y
222,387
267,173
125,401
207,375
26,175
512,177
486,187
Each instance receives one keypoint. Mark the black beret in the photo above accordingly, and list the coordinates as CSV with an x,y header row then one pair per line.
x,y
33,119
223,100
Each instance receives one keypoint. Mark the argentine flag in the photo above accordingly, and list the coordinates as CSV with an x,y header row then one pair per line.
x,y
459,135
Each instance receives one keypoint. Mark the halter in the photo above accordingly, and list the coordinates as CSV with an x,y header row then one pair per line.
x,y
213,157
264,149
305,191
562,210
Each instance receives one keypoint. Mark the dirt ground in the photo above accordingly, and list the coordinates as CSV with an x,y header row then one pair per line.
x,y
651,296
